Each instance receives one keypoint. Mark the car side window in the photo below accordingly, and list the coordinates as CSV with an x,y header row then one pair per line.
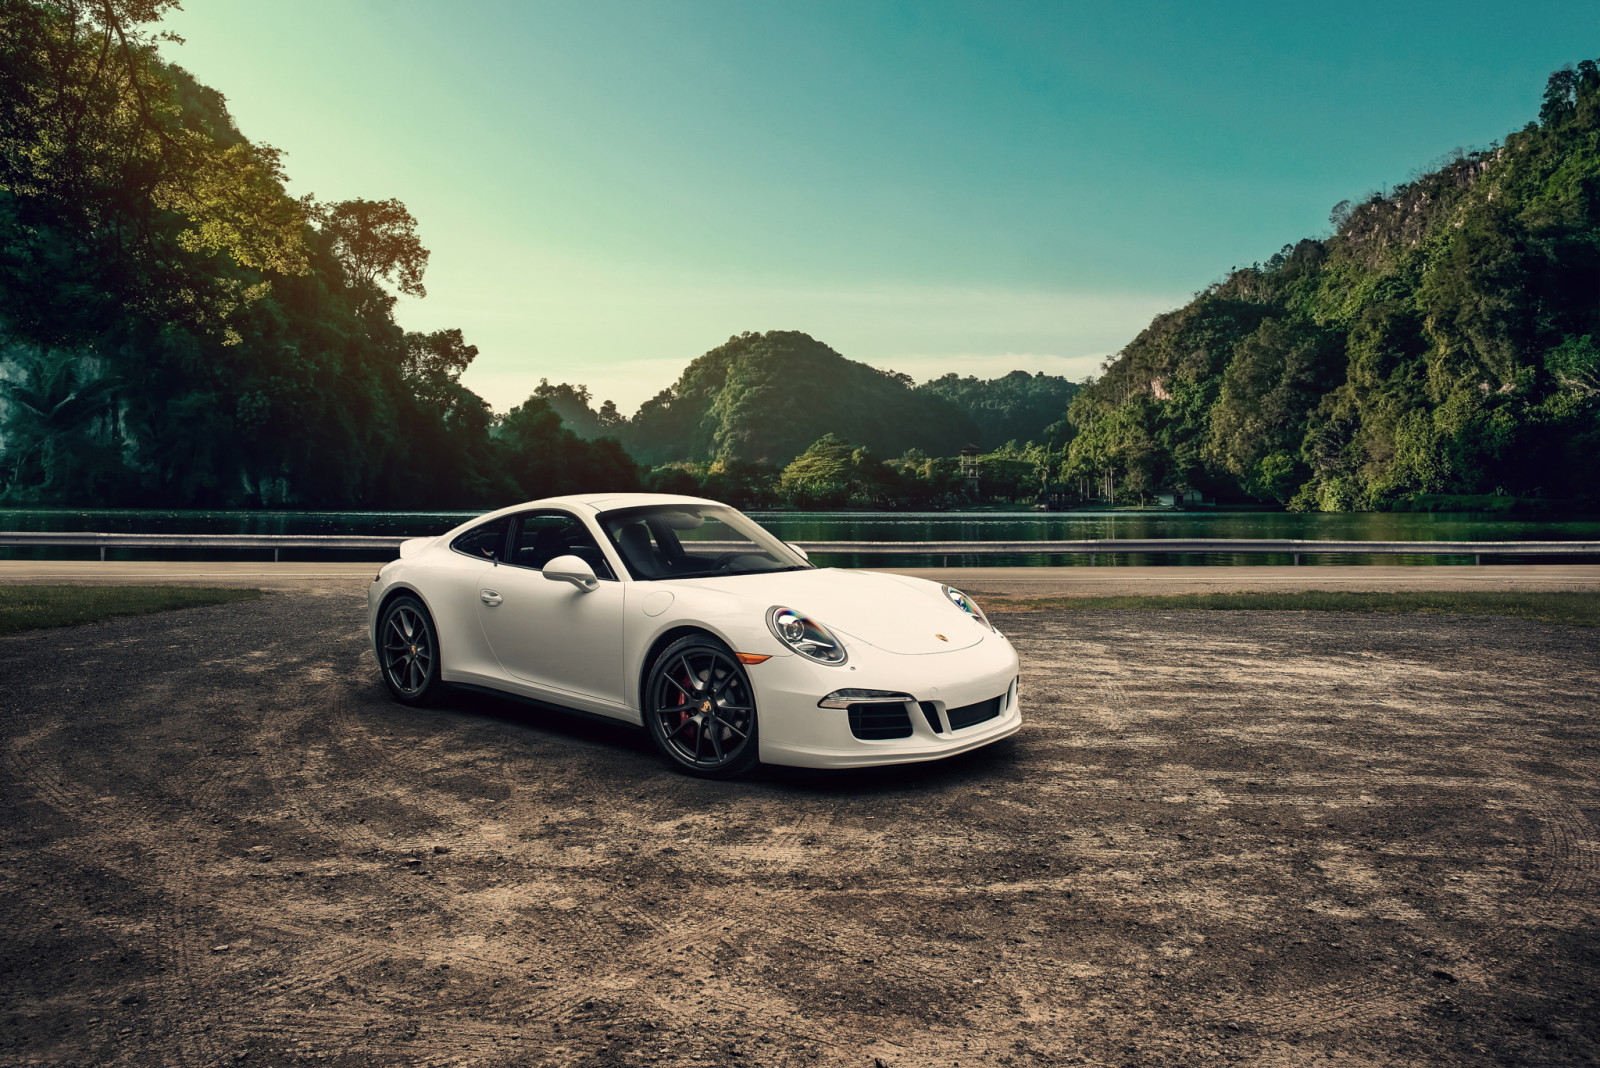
x,y
543,536
485,542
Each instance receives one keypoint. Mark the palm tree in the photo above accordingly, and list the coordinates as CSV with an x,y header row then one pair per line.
x,y
48,415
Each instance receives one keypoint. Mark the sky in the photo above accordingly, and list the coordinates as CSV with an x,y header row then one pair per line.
x,y
610,189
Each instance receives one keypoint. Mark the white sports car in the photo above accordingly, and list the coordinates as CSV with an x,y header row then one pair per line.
x,y
688,618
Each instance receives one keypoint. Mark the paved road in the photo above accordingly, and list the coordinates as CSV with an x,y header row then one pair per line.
x,y
1275,838
987,581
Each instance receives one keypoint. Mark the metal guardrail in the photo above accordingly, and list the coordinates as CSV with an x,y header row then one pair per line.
x,y
275,542
1093,548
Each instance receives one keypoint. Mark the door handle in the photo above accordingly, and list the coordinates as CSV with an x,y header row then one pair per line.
x,y
489,597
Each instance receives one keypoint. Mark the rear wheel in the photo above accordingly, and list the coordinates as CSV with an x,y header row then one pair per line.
x,y
408,650
701,710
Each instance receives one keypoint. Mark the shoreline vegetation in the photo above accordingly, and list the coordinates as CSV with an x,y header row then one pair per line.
x,y
24,608
176,330
1565,608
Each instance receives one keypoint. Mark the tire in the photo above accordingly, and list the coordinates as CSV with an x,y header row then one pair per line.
x,y
408,651
700,709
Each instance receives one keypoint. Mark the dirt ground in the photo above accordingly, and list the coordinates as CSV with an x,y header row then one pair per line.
x,y
1273,838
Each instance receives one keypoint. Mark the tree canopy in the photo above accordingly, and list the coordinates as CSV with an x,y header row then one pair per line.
x,y
1442,340
175,329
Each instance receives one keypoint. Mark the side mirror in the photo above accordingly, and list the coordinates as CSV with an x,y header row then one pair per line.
x,y
573,569
803,554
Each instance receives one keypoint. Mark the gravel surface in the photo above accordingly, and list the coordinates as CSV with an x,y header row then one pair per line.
x,y
1277,838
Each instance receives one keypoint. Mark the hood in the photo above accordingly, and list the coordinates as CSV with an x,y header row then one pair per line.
x,y
898,615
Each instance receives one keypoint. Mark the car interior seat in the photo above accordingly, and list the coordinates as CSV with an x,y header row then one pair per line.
x,y
547,545
638,550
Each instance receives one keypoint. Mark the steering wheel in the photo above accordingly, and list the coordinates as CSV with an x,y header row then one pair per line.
x,y
723,559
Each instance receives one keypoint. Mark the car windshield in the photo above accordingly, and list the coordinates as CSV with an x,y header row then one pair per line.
x,y
667,541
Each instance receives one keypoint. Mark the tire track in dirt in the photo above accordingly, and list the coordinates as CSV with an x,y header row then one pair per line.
x,y
1157,804
1571,855
49,784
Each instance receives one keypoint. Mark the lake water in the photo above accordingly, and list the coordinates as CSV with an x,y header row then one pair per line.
x,y
875,526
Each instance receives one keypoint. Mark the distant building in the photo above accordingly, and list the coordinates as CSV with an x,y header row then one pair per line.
x,y
1171,498
969,468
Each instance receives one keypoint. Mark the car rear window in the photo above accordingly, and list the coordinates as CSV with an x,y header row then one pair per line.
x,y
485,542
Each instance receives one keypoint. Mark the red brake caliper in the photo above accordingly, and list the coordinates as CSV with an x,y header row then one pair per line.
x,y
683,701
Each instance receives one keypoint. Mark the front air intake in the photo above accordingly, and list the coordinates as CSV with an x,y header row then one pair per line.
x,y
968,715
879,722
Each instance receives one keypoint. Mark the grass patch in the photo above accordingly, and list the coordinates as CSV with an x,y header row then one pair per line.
x,y
37,607
1570,608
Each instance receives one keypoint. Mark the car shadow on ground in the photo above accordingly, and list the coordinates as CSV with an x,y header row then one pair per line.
x,y
566,723
992,762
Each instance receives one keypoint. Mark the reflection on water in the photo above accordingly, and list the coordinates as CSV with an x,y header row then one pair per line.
x,y
1073,526
872,526
156,521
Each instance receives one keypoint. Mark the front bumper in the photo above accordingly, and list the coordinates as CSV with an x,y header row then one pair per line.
x,y
795,732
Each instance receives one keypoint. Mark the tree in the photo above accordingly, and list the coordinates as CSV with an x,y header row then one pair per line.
x,y
376,240
441,354
127,161
61,435
821,476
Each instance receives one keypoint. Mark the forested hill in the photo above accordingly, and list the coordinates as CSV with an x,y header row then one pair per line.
x,y
1015,407
1444,339
764,398
176,330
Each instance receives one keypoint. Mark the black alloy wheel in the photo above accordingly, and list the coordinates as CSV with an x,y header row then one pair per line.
x,y
408,650
700,709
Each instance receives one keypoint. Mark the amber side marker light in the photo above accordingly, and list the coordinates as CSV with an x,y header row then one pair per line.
x,y
752,658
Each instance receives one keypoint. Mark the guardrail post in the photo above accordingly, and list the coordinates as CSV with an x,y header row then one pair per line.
x,y
102,554
274,554
1477,559
1296,559
1091,559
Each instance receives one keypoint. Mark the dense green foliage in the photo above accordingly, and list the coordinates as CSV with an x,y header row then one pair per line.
x,y
175,329
762,398
781,418
1016,407
1444,340
37,607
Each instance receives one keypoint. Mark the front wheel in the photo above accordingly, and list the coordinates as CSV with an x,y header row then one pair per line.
x,y
701,710
408,650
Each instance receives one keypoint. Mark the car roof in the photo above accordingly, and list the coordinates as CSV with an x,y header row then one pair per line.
x,y
593,502
605,502
598,502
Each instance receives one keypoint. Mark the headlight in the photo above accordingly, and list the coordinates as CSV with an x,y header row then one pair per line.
x,y
805,636
967,605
